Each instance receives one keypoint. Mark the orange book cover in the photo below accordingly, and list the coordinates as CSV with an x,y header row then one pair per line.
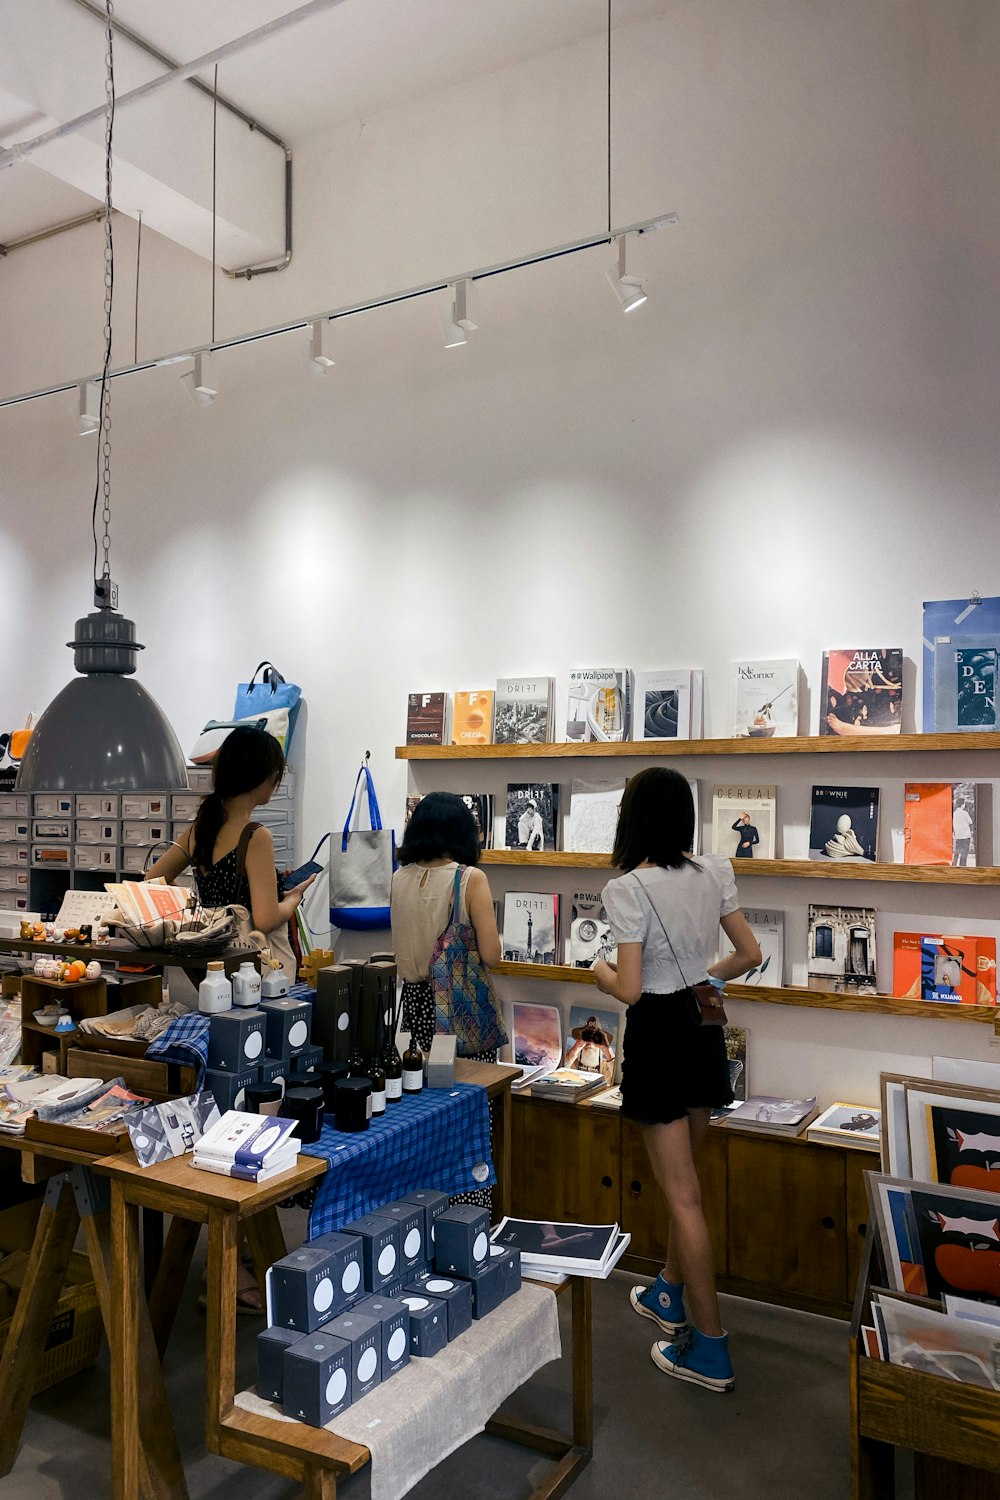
x,y
952,968
927,825
472,720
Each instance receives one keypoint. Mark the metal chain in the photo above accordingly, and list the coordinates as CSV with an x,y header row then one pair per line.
x,y
103,488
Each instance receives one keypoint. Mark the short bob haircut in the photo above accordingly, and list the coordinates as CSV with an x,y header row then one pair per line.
x,y
655,821
440,827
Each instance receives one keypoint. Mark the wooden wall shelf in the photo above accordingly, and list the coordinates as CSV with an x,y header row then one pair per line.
x,y
806,868
880,1005
795,745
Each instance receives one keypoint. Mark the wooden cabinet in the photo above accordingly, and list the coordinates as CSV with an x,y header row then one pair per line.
x,y
856,1164
566,1163
643,1212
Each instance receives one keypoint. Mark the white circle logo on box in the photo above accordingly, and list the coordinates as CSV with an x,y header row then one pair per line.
x,y
480,1247
253,1044
240,1099
416,1304
351,1278
336,1386
367,1364
440,1286
323,1295
387,1260
298,1034
396,1345
343,1022
411,1245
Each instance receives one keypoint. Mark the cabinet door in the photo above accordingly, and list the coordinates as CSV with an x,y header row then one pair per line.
x,y
786,1217
857,1163
644,1213
567,1163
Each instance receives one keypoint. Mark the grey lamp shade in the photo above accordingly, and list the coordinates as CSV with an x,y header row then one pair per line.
x,y
102,733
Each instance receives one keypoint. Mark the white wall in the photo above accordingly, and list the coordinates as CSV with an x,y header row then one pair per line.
x,y
789,447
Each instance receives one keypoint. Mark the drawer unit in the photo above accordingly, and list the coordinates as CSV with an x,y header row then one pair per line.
x,y
50,856
134,861
51,828
13,901
14,830
53,805
97,805
200,779
96,857
13,857
97,831
145,806
184,806
140,835
15,805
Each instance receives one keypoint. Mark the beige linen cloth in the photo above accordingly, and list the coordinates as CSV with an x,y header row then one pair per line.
x,y
433,1406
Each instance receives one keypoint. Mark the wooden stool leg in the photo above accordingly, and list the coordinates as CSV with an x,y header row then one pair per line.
x,y
220,1329
265,1241
171,1277
57,1226
583,1366
126,1279
321,1484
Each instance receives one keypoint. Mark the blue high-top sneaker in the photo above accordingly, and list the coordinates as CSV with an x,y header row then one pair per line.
x,y
663,1302
697,1357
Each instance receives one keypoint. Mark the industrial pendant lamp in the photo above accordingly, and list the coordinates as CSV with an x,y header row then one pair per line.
x,y
103,732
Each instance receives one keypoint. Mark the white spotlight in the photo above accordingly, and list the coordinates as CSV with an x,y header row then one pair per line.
x,y
320,351
201,380
458,323
628,289
89,392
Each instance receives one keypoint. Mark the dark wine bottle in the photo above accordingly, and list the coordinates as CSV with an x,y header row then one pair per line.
x,y
413,1069
377,1075
392,1065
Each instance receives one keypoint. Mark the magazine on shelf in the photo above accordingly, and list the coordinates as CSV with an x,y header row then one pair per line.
x,y
480,805
599,704
972,620
536,1032
427,718
526,1075
737,1045
843,824
532,814
861,691
848,1125
530,927
950,968
923,1338
555,1246
768,928
939,823
765,699
522,710
607,1098
667,705
743,821
593,815
592,1043
770,1112
840,948
567,1085
472,717
965,683
589,935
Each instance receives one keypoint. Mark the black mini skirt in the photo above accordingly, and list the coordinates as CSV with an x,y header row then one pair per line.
x,y
670,1062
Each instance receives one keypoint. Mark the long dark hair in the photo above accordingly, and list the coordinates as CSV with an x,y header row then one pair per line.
x,y
655,820
440,827
246,759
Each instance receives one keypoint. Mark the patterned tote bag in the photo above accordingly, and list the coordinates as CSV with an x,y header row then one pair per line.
x,y
465,1002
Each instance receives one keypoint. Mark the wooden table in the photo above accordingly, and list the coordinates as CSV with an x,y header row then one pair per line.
x,y
119,952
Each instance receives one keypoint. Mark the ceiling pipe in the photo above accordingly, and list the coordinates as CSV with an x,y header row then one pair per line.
x,y
46,234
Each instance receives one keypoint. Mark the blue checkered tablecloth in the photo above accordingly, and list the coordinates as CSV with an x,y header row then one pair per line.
x,y
185,1041
439,1138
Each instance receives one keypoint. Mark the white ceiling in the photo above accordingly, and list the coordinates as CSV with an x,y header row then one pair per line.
x,y
358,57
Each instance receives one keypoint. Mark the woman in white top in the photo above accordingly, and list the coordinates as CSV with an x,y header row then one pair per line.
x,y
665,914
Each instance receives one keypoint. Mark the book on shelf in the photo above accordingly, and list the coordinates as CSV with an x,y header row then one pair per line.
x,y
668,704
974,621
768,1112
472,717
737,1043
412,798
843,824
840,949
480,805
743,821
577,1249
965,679
427,718
251,1147
765,699
939,823
607,1098
280,1162
599,705
592,1043
861,691
531,927
568,1085
525,1076
536,1035
593,815
532,815
855,1125
589,934
522,710
950,968
768,928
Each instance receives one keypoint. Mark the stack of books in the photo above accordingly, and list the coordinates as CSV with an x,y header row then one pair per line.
x,y
553,1251
568,1084
251,1147
854,1125
767,1113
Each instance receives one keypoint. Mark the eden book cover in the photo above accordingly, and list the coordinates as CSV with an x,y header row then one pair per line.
x,y
843,823
965,675
522,711
599,704
765,699
862,691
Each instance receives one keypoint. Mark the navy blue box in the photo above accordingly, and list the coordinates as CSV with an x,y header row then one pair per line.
x,y
317,1379
236,1040
433,1204
364,1336
273,1070
346,1269
307,1061
288,1023
461,1240
302,1290
487,1290
412,1228
508,1262
271,1347
455,1294
428,1324
395,1319
380,1249
228,1088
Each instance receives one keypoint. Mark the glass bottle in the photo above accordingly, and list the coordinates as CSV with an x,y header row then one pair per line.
x,y
413,1068
377,1075
392,1064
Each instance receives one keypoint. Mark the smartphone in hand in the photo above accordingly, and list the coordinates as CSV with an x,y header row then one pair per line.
x,y
296,877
